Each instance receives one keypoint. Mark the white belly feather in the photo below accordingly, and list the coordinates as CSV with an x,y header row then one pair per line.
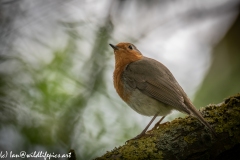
x,y
146,105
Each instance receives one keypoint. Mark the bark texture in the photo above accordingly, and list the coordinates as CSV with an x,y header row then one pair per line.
x,y
187,138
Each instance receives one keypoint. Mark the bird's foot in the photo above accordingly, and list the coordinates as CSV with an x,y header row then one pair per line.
x,y
155,127
138,137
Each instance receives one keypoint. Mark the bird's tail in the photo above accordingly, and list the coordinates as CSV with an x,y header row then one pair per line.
x,y
198,115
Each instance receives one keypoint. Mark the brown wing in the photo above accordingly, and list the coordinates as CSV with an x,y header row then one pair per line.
x,y
155,80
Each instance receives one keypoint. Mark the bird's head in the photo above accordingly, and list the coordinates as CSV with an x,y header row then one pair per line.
x,y
126,53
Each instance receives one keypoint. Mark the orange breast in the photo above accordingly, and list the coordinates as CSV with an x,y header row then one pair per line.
x,y
118,84
121,61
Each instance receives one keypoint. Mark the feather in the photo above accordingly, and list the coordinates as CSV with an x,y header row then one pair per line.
x,y
162,87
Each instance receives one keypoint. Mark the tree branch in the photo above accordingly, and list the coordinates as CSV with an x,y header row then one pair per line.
x,y
187,138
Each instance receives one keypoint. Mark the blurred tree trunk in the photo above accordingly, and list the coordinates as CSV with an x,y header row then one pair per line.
x,y
187,138
9,10
223,76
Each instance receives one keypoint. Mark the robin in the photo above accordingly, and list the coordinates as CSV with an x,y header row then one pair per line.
x,y
148,87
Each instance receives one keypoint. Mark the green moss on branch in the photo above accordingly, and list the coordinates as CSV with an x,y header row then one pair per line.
x,y
187,138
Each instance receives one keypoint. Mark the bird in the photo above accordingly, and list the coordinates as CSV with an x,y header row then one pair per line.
x,y
148,86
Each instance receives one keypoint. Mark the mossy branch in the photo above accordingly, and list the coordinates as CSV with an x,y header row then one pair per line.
x,y
187,138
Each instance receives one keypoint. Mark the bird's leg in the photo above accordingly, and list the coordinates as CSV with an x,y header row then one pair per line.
x,y
146,128
157,124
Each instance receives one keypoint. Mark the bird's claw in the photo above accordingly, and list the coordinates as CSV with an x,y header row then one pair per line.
x,y
138,136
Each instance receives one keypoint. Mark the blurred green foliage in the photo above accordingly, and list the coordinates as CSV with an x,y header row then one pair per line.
x,y
48,98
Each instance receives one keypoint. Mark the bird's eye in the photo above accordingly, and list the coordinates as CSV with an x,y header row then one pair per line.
x,y
130,47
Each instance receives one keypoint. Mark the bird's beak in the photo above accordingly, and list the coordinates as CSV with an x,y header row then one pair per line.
x,y
113,46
